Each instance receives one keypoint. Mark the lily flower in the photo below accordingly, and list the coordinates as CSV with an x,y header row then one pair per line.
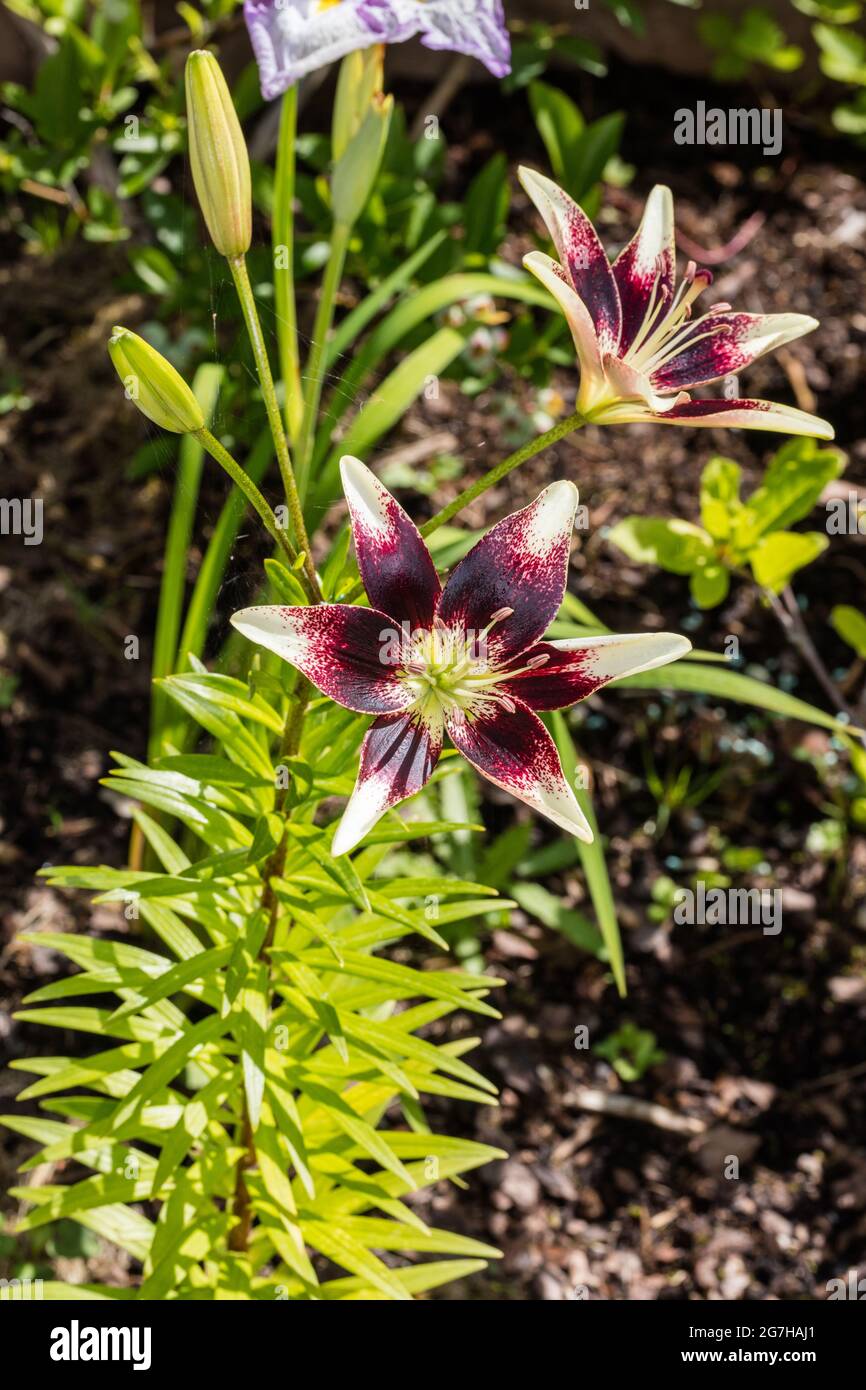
x,y
291,38
467,659
639,349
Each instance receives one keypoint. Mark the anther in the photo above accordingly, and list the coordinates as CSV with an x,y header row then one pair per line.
x,y
536,661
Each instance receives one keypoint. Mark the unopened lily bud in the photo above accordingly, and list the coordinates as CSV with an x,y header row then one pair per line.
x,y
218,156
153,385
356,172
362,76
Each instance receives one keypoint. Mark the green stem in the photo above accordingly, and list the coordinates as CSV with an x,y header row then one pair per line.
x,y
249,489
239,271
173,584
791,621
239,1237
283,239
314,374
495,475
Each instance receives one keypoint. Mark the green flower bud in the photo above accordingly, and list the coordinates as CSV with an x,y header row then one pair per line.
x,y
153,384
361,78
218,156
356,172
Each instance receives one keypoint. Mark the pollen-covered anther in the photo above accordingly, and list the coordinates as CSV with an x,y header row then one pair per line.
x,y
536,661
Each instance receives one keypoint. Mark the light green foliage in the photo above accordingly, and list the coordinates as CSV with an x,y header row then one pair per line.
x,y
86,89
743,40
330,1061
579,152
737,534
850,624
743,44
631,1051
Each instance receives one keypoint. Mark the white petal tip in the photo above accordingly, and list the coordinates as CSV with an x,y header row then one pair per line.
x,y
352,468
564,492
557,505
245,620
341,843
365,808
672,645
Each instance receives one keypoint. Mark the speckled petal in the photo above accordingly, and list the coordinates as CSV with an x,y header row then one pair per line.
x,y
394,563
397,758
581,253
645,270
348,653
577,667
719,344
520,565
512,749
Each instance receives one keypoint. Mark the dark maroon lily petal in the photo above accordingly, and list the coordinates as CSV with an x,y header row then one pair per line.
x,y
645,270
554,675
721,343
512,749
348,653
740,414
398,756
554,279
581,253
515,575
394,563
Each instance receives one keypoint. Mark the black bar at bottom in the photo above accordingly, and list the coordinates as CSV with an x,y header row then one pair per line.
x,y
63,1339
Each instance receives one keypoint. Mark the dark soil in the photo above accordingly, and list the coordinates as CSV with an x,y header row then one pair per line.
x,y
762,1036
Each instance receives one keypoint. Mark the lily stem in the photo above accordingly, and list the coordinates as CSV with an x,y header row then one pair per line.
x,y
239,1236
501,470
249,489
315,363
791,621
283,240
241,277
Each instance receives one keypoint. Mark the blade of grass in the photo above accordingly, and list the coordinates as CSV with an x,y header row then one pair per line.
x,y
732,685
206,386
283,237
391,401
592,856
210,577
353,325
410,313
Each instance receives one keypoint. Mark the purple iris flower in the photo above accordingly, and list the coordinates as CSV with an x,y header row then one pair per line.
x,y
291,38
